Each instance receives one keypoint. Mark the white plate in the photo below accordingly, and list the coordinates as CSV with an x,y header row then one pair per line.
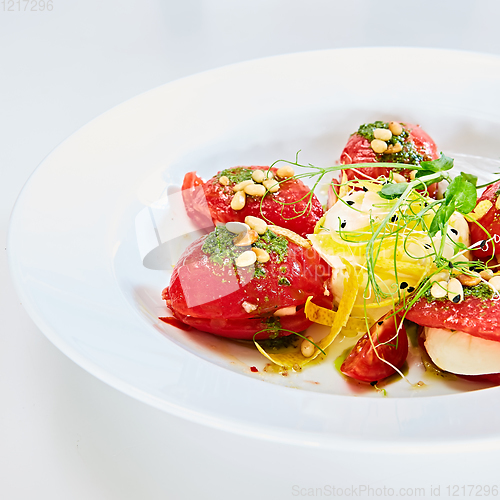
x,y
77,268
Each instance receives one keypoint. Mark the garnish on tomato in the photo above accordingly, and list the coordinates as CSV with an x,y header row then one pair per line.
x,y
221,288
289,202
398,143
379,352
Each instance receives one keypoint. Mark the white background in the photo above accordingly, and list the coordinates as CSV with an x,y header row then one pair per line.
x,y
64,434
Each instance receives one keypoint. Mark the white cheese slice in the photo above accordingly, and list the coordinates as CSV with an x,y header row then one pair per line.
x,y
462,353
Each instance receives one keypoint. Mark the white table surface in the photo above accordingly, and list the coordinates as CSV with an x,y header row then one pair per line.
x,y
66,435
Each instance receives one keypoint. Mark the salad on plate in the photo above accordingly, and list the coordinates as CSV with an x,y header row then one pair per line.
x,y
404,252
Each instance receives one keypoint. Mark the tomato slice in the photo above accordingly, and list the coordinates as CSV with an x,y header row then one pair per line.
x,y
359,150
476,316
391,344
491,223
223,299
292,207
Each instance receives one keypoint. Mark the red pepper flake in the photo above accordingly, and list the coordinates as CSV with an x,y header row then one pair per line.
x,y
254,369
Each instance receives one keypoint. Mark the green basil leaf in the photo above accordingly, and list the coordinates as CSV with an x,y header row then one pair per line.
x,y
469,177
442,163
462,193
391,191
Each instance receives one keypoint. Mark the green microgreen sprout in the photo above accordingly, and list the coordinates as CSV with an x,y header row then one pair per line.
x,y
406,208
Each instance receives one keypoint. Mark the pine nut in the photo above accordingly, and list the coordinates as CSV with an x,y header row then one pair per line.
x,y
439,289
239,200
393,148
290,235
497,203
399,178
242,185
271,185
237,227
286,311
255,190
224,180
255,223
306,348
468,280
286,171
262,255
246,239
442,276
246,259
258,176
413,174
455,291
383,134
378,146
495,283
395,128
487,274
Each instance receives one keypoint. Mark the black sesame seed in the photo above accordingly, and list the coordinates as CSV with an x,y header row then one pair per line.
x,y
365,189
427,246
483,243
343,224
403,285
350,203
380,323
394,218
454,231
373,383
411,289
456,299
450,264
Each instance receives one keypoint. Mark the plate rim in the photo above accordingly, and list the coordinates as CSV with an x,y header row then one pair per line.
x,y
210,420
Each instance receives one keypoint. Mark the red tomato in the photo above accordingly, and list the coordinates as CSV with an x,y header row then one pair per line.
x,y
233,302
478,317
363,362
286,208
359,150
491,222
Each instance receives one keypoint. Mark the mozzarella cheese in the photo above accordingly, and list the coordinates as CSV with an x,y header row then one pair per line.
x,y
462,353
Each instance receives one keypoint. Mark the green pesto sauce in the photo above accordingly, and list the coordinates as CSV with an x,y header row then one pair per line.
x,y
367,129
273,243
408,154
220,247
260,272
273,325
237,174
481,291
279,343
282,281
